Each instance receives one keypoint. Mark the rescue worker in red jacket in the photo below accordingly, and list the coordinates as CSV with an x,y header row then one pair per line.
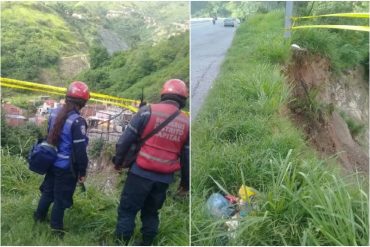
x,y
158,158
66,131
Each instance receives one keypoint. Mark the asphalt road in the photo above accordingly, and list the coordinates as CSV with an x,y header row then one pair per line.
x,y
209,44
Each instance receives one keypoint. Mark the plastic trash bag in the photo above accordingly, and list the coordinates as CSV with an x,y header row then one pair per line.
x,y
246,193
247,201
218,206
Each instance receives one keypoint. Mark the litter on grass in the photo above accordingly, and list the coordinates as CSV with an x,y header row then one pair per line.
x,y
232,207
219,207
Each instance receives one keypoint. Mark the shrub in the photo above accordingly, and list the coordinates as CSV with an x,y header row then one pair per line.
x,y
19,140
98,56
95,148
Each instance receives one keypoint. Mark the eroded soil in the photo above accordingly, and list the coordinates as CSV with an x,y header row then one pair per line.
x,y
319,97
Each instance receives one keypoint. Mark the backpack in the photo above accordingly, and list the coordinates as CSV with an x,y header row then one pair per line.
x,y
41,157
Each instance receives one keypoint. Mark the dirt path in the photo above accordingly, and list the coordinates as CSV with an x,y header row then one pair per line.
x,y
209,44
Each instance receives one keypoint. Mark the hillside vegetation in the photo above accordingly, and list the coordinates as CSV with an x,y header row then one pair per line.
x,y
242,129
38,36
33,37
135,22
126,73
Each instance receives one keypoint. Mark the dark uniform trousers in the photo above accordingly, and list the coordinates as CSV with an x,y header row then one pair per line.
x,y
140,194
58,187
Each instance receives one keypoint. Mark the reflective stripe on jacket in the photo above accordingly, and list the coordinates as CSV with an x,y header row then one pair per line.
x,y
161,152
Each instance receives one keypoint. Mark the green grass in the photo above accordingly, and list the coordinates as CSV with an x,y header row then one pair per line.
x,y
302,199
345,49
91,220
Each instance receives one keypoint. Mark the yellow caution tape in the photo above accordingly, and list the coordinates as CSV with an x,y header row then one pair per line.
x,y
107,99
130,104
350,15
130,107
61,89
28,88
343,27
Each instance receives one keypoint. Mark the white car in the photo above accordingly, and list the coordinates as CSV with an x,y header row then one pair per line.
x,y
229,22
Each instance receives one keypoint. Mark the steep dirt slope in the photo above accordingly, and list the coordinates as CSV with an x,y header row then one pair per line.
x,y
322,98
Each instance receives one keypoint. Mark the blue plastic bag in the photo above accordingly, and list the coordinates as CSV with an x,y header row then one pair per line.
x,y
218,206
41,157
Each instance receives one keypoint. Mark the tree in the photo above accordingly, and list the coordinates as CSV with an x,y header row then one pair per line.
x,y
98,56
63,9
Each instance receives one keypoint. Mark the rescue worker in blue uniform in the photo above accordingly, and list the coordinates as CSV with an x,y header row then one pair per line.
x,y
158,158
67,132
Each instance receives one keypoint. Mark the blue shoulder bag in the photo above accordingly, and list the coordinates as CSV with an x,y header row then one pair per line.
x,y
42,156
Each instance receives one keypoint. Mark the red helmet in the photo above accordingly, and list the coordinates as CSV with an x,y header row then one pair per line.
x,y
175,86
79,90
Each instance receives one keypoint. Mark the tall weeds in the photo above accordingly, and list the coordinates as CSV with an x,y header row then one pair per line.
x,y
91,220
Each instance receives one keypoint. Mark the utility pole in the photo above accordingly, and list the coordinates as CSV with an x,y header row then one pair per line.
x,y
288,20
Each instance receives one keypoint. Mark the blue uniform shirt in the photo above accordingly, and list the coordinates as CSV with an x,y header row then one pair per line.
x,y
80,141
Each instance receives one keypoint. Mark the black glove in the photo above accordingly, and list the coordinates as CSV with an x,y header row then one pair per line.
x,y
117,164
116,161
